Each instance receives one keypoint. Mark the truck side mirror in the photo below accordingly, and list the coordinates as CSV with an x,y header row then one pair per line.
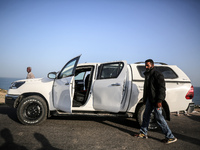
x,y
52,75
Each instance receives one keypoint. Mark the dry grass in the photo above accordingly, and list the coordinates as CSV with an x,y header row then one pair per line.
x,y
2,95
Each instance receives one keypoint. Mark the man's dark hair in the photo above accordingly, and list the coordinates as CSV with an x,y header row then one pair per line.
x,y
150,60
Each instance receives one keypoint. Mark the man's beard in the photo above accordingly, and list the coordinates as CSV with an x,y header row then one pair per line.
x,y
148,69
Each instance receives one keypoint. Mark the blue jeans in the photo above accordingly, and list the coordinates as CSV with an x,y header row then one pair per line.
x,y
159,118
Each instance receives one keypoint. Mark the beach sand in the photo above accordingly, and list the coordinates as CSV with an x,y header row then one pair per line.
x,y
2,95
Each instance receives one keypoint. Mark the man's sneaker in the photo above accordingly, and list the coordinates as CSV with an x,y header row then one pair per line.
x,y
141,135
168,141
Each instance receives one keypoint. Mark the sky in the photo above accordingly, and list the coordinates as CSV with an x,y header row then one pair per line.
x,y
45,34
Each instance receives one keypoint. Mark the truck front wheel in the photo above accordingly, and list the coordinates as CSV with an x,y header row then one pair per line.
x,y
32,110
152,123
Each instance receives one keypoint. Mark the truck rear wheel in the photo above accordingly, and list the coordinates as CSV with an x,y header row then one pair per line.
x,y
152,123
32,110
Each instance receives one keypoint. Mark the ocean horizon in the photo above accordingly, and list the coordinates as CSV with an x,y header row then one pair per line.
x,y
6,82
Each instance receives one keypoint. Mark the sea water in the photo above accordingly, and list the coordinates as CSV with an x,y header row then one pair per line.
x,y
196,98
6,82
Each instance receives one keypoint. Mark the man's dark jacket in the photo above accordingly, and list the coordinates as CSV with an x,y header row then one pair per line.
x,y
154,87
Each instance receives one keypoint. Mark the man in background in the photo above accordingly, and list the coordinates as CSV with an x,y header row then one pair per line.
x,y
30,75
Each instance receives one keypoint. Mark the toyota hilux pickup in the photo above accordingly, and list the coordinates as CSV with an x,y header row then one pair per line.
x,y
111,88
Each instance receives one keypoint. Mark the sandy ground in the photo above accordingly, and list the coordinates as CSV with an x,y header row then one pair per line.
x,y
2,95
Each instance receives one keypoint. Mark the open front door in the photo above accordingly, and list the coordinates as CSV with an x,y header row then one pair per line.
x,y
108,88
63,88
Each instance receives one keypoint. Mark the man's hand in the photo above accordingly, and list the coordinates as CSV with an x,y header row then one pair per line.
x,y
159,105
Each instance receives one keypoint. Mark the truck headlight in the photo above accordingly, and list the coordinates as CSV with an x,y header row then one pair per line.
x,y
16,85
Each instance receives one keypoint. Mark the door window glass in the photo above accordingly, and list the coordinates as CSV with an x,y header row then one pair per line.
x,y
80,76
112,70
69,68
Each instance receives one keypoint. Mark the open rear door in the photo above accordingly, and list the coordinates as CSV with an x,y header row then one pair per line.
x,y
108,88
63,88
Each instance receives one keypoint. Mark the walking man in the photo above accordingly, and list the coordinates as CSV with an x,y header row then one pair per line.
x,y
154,94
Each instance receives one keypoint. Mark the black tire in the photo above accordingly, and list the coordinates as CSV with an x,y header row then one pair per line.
x,y
152,123
32,110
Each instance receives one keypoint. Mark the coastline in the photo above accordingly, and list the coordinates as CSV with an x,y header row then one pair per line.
x,y
2,95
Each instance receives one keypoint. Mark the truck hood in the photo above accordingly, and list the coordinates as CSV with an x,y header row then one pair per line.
x,y
45,79
35,85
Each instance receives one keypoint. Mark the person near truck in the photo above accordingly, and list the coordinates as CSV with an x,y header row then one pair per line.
x,y
154,94
30,75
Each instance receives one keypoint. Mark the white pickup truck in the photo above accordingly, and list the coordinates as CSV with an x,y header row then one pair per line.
x,y
114,87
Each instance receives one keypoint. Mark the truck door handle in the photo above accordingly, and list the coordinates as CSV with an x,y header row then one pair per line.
x,y
116,84
67,83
